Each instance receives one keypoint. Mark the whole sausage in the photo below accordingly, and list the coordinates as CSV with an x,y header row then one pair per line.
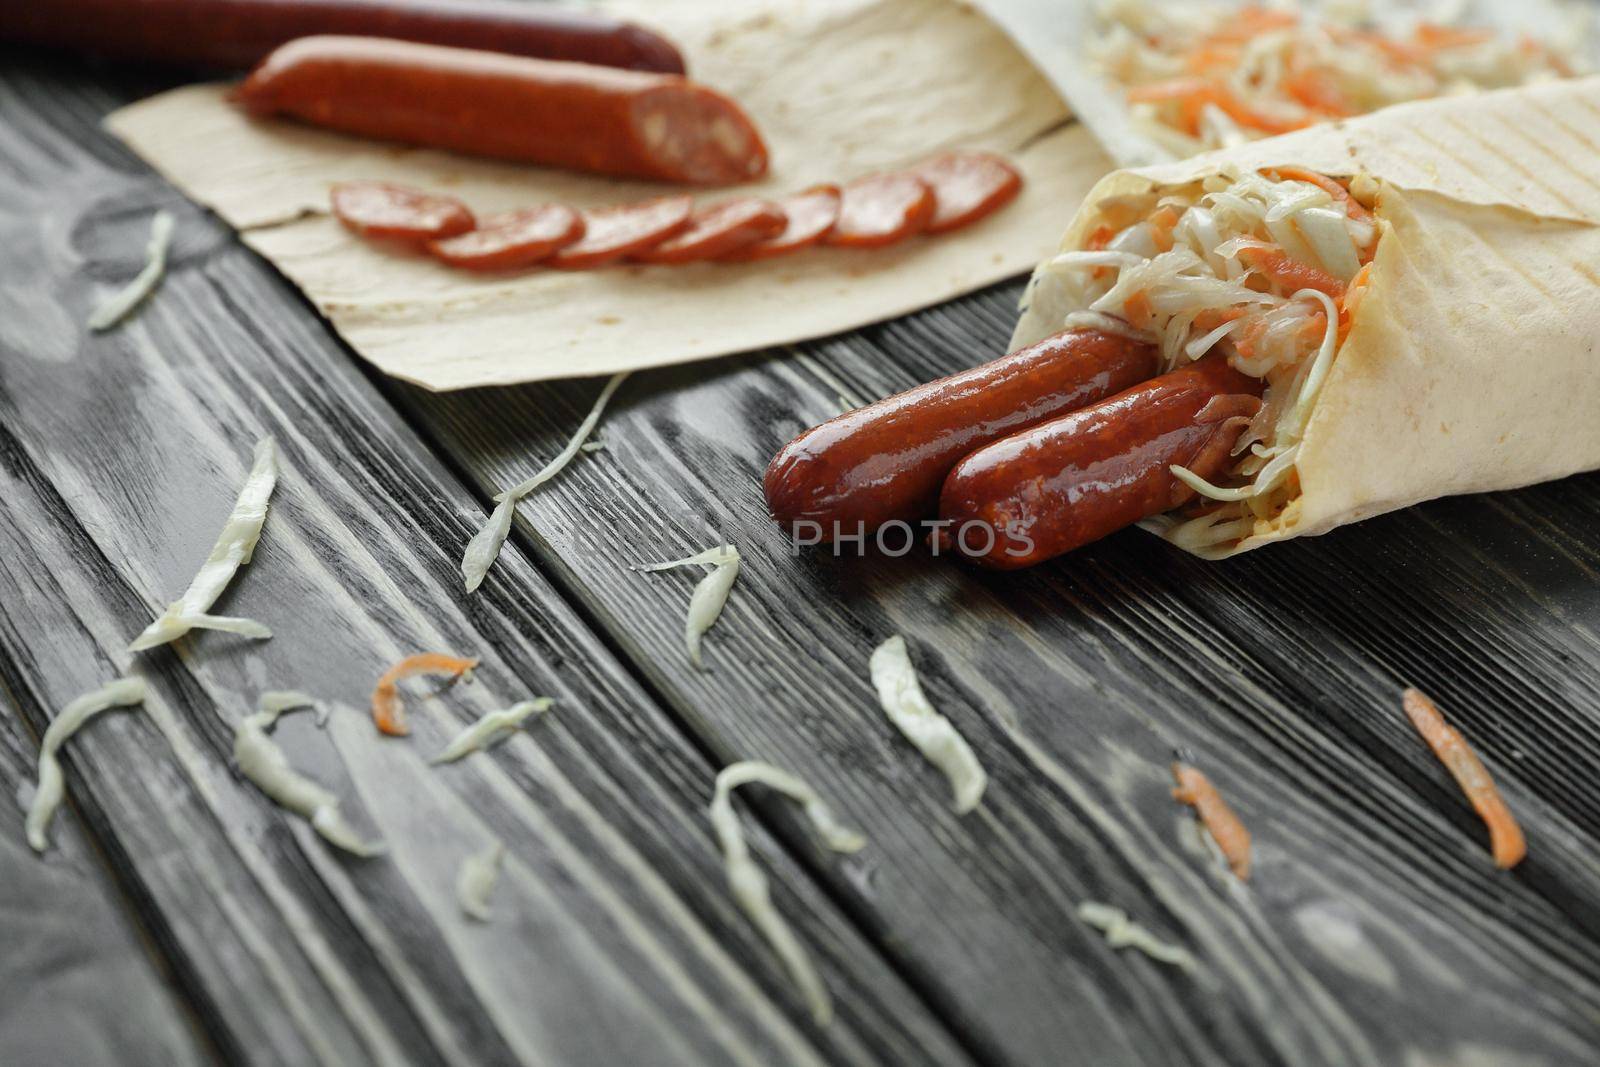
x,y
619,122
887,460
237,34
1064,483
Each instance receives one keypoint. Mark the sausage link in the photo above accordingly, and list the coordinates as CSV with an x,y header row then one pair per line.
x,y
238,34
618,122
887,460
1073,480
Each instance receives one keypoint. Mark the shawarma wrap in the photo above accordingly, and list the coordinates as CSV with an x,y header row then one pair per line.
x,y
1466,357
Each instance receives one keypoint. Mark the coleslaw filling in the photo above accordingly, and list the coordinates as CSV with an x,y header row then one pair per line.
x,y
1266,267
1212,75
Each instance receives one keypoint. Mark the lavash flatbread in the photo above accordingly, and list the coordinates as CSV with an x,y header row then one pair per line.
x,y
840,88
1474,360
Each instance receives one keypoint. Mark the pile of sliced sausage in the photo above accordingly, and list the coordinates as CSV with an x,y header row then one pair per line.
x,y
941,194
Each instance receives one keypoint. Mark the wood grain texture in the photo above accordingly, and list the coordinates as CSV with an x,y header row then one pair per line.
x,y
80,985
615,940
1374,930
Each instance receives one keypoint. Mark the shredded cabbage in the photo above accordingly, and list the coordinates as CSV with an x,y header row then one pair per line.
x,y
1211,75
264,763
900,693
749,885
476,880
1122,932
234,547
486,543
1249,266
710,594
491,728
52,787
116,307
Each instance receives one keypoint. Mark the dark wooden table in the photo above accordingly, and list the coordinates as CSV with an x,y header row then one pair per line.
x,y
182,918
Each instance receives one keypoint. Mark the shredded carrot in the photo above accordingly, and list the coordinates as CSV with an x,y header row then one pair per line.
x,y
1433,35
1400,53
1193,94
1245,115
1276,264
1341,195
1136,309
1313,89
1210,318
1251,22
1099,238
1171,89
1352,299
1196,790
1207,58
387,711
1245,340
1315,326
1505,836
1162,222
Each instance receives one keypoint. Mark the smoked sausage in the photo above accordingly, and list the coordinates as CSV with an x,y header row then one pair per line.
x,y
619,122
887,460
387,212
718,230
809,216
238,34
967,186
1064,483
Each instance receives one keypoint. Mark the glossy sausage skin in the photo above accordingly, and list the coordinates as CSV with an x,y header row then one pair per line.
x,y
238,34
618,122
887,460
1073,480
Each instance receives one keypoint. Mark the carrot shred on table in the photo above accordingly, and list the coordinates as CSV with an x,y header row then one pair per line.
x,y
1276,264
1196,790
1505,836
387,711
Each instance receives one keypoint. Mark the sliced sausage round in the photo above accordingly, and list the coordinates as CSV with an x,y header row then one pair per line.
x,y
810,217
881,209
513,239
614,233
967,186
717,230
393,212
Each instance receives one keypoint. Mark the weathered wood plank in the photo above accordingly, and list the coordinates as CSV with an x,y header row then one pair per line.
x,y
1375,929
81,986
616,940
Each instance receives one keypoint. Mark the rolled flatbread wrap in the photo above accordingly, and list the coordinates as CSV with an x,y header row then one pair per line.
x,y
1467,357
